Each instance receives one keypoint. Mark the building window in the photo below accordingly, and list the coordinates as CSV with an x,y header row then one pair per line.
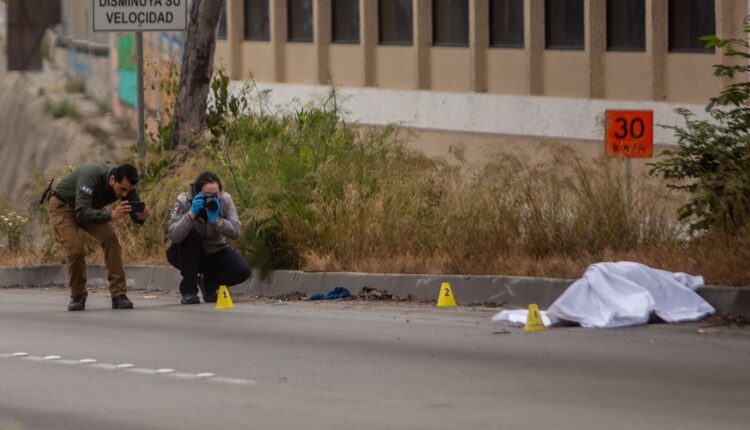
x,y
626,25
345,21
563,22
256,20
221,33
450,22
300,20
689,20
395,22
506,23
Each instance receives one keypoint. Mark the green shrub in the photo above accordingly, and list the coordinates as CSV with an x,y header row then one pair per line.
x,y
712,160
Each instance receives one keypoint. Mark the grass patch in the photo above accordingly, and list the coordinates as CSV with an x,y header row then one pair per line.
x,y
102,105
75,86
63,108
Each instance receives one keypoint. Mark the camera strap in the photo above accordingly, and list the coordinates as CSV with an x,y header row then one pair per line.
x,y
47,193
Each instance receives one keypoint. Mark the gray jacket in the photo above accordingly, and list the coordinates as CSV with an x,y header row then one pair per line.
x,y
214,238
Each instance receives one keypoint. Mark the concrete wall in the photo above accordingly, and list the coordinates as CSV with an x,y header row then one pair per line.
x,y
506,71
91,70
347,65
450,69
558,117
395,67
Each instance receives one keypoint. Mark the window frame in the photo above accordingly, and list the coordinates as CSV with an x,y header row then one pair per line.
x,y
547,32
222,29
336,40
610,48
522,45
381,41
246,24
289,24
688,50
437,44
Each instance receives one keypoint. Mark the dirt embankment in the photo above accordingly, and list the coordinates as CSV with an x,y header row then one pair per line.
x,y
31,140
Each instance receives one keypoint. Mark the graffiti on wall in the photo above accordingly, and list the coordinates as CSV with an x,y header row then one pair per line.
x,y
171,46
79,66
160,50
127,74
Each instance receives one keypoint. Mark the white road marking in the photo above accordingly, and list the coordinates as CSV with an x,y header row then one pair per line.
x,y
142,370
33,358
184,375
234,381
104,366
168,372
65,361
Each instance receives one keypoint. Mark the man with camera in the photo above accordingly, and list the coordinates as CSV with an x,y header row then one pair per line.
x,y
78,203
203,222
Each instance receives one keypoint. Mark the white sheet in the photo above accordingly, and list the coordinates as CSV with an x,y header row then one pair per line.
x,y
519,317
625,293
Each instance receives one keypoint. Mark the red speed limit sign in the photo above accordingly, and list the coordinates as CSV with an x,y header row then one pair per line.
x,y
629,133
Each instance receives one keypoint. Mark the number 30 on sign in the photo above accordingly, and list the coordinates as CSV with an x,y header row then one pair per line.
x,y
630,133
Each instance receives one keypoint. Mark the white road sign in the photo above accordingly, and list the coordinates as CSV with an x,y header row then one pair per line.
x,y
140,15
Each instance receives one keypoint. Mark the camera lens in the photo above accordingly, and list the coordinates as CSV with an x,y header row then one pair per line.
x,y
211,203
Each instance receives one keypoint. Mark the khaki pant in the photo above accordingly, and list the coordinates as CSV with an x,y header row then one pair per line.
x,y
63,220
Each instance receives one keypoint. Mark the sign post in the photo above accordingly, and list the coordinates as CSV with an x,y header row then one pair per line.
x,y
141,109
629,134
139,16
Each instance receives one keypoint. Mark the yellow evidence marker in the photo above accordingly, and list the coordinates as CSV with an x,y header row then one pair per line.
x,y
446,299
224,300
534,320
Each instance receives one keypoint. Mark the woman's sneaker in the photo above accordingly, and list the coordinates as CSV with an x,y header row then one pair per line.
x,y
190,299
208,297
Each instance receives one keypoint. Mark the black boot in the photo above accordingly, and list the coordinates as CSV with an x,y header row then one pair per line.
x,y
77,304
121,302
190,299
208,296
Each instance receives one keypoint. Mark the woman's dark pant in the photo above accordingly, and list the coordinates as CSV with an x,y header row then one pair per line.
x,y
225,267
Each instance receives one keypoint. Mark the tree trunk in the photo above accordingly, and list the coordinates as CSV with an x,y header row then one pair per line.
x,y
195,72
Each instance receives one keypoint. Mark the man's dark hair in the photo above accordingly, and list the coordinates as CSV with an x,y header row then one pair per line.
x,y
205,178
126,171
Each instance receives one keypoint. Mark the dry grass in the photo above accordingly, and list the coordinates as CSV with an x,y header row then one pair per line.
x,y
317,194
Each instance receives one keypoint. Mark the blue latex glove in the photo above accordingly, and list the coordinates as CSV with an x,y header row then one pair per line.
x,y
198,204
213,216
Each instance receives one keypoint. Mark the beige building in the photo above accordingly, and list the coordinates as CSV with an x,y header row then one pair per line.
x,y
458,68
520,67
609,49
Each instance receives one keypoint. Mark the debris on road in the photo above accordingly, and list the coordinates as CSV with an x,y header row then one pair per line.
x,y
294,296
728,320
335,294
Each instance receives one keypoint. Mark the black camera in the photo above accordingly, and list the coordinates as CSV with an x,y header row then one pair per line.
x,y
211,200
137,207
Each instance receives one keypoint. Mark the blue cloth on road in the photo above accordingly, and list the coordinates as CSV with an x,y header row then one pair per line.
x,y
336,293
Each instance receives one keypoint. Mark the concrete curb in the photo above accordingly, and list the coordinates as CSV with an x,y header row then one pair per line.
x,y
513,291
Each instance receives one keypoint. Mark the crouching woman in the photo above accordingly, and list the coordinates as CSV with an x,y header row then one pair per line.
x,y
203,222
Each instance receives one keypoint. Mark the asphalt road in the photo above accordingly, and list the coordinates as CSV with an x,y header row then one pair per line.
x,y
354,366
